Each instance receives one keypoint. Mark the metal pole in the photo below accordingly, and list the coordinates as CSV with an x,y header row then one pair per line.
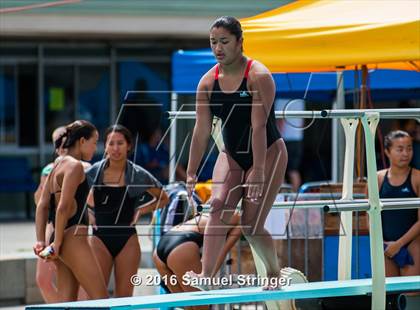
x,y
356,113
17,102
41,107
113,84
397,205
344,205
370,122
346,218
306,244
76,90
360,172
337,134
356,254
172,146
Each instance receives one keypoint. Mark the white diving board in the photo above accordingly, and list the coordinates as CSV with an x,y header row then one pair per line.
x,y
241,295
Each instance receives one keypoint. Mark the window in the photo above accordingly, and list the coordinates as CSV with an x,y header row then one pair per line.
x,y
8,93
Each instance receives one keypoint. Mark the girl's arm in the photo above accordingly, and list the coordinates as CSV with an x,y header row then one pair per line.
x,y
156,198
202,130
412,233
263,93
41,217
38,192
395,246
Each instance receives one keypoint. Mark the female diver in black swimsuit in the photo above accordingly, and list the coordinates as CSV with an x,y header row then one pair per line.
x,y
65,191
121,193
178,251
400,228
241,93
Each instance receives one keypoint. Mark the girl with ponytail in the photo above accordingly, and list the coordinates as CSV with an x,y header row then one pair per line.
x,y
65,192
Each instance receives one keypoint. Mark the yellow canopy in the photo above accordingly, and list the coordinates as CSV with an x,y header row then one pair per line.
x,y
309,36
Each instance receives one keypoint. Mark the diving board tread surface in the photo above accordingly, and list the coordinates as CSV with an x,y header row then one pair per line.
x,y
240,295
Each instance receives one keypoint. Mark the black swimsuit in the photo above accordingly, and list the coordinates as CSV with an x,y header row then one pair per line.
x,y
80,217
114,211
395,223
169,241
234,109
115,206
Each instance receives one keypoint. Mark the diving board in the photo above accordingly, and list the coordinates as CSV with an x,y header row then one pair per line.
x,y
241,295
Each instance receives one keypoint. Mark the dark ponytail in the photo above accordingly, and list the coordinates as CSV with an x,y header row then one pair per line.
x,y
74,132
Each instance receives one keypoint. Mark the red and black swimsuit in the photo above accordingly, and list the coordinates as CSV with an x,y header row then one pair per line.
x,y
234,109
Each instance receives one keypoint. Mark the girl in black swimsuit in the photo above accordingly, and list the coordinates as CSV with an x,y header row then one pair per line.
x,y
65,192
121,192
178,251
240,92
400,228
45,270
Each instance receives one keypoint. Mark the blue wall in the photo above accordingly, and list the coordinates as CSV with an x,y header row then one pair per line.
x,y
363,258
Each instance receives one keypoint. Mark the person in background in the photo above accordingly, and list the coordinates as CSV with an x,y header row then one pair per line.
x,y
141,113
412,127
401,228
291,130
154,157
